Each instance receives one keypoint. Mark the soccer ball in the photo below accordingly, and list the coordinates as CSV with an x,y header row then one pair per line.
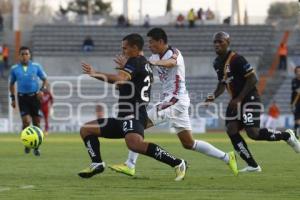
x,y
32,137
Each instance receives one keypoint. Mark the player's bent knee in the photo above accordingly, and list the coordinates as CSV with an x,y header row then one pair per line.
x,y
83,131
188,145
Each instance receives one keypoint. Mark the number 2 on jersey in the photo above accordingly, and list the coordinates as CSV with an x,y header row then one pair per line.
x,y
145,89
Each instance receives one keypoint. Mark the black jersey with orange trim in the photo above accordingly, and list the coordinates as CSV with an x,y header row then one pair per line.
x,y
295,98
232,70
134,95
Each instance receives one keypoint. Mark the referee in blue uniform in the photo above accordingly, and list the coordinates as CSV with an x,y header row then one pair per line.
x,y
27,75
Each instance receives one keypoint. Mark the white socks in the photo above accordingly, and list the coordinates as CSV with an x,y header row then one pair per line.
x,y
210,150
131,160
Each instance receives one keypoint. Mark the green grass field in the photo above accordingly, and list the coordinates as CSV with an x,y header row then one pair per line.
x,y
54,174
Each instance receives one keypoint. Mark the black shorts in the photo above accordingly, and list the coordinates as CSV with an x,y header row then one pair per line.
x,y
29,104
297,112
115,128
248,114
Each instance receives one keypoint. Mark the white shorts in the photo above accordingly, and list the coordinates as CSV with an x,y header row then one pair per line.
x,y
174,111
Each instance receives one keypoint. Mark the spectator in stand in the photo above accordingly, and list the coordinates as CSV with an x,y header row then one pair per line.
x,y
122,21
209,14
191,18
147,21
5,54
88,44
200,14
273,115
226,20
180,20
283,51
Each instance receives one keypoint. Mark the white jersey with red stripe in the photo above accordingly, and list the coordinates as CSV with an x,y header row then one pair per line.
x,y
172,79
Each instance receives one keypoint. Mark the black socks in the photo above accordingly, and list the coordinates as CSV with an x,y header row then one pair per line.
x,y
272,135
161,155
241,147
93,146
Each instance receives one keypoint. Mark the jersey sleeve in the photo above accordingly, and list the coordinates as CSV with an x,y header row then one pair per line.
x,y
129,68
41,73
242,66
13,77
172,53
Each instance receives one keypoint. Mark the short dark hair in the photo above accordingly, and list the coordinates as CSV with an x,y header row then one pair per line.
x,y
158,34
24,48
135,39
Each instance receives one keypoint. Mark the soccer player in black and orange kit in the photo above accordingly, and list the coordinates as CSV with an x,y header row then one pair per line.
x,y
243,112
295,100
134,84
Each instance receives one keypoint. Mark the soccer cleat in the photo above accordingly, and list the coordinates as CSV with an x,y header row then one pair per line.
x,y
36,152
123,168
93,169
27,150
251,169
232,163
180,170
293,141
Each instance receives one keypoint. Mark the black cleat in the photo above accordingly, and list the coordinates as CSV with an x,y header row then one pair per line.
x,y
93,169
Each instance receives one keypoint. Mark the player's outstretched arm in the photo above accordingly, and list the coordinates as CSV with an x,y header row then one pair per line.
x,y
110,78
169,63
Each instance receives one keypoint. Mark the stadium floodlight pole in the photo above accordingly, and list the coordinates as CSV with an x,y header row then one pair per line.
x,y
125,8
16,27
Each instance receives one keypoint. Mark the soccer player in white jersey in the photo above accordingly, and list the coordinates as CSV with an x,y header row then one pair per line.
x,y
174,103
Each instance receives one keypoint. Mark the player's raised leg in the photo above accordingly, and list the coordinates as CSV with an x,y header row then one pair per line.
x,y
273,135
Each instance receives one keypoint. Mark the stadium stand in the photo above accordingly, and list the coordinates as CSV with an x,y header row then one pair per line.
x,y
283,96
53,40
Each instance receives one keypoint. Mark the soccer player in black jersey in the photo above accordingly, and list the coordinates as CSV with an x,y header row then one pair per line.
x,y
295,100
237,76
134,84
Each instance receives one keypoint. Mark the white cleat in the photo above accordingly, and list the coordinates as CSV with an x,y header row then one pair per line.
x,y
180,170
251,169
293,141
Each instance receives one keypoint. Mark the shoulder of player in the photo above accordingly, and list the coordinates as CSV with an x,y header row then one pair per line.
x,y
173,51
237,59
13,67
35,64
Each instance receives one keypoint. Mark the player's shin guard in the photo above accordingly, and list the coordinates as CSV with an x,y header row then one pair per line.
x,y
272,135
241,148
93,146
162,155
